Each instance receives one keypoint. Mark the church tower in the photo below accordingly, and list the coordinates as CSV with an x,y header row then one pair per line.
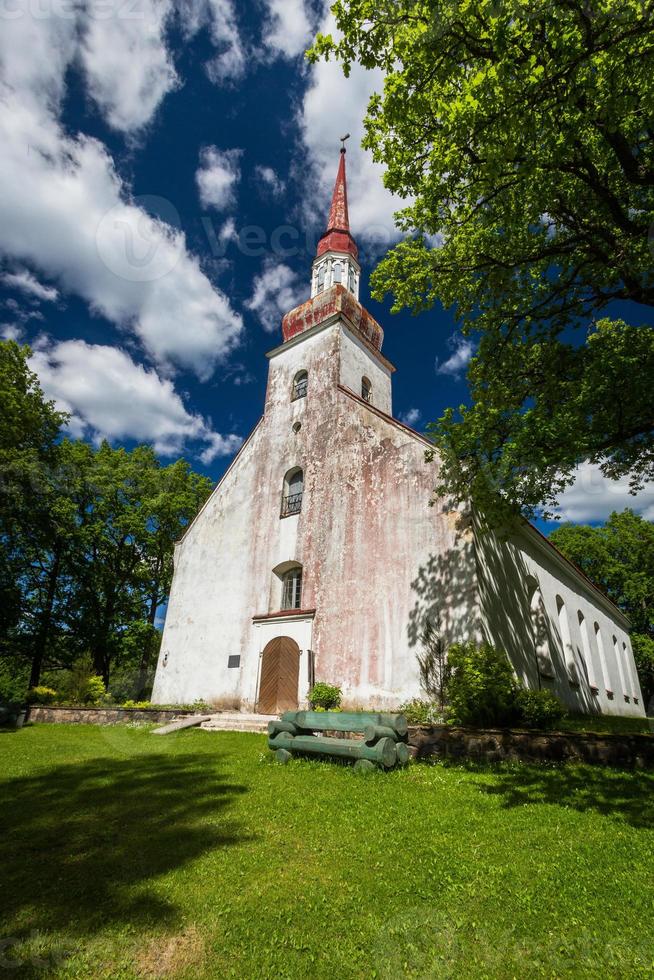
x,y
336,260
335,278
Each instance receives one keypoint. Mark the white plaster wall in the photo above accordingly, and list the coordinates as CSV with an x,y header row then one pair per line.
x,y
356,362
212,594
506,570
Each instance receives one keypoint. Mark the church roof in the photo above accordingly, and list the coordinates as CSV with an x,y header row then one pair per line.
x,y
337,237
324,306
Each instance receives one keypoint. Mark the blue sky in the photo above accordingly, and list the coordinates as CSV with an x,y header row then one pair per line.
x,y
164,174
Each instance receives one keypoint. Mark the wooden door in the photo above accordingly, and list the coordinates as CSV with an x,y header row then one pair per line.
x,y
280,667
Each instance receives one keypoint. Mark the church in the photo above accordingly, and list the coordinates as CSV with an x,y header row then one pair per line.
x,y
321,554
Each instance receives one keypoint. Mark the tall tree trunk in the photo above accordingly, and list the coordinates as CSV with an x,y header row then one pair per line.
x,y
43,635
146,654
101,654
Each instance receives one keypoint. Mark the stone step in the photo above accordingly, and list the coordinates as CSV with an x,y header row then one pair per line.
x,y
236,722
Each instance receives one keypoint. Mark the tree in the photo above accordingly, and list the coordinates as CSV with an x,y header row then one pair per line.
x,y
131,510
49,547
619,558
523,132
86,538
28,451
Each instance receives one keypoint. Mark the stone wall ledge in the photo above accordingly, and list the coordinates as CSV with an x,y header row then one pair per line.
x,y
54,714
516,745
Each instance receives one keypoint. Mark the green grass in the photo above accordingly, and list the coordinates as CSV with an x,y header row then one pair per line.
x,y
613,724
194,855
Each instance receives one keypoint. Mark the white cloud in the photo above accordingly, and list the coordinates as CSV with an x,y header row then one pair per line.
x,y
27,283
228,232
219,17
217,176
332,106
127,65
276,290
410,417
219,446
462,351
11,331
288,31
110,396
66,212
592,497
269,181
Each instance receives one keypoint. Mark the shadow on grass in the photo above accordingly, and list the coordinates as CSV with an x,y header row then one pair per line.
x,y
627,795
81,843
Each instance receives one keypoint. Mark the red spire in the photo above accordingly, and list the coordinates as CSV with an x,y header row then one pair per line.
x,y
337,238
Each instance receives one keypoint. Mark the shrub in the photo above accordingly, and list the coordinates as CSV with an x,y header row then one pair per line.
x,y
325,696
41,695
136,704
80,685
14,677
419,712
433,663
539,709
481,689
93,691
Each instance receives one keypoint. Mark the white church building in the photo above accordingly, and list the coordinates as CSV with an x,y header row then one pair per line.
x,y
318,557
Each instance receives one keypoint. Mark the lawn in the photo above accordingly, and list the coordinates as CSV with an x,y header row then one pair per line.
x,y
194,855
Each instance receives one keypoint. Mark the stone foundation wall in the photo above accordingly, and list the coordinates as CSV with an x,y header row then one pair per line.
x,y
51,714
497,745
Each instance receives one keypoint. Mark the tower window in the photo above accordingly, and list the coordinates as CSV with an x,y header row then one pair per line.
x,y
366,389
336,272
321,278
351,280
292,589
300,384
292,492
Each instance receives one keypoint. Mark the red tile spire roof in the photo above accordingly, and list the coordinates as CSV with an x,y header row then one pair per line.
x,y
337,237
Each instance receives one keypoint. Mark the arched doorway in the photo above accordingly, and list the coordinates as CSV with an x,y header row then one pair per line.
x,y
280,668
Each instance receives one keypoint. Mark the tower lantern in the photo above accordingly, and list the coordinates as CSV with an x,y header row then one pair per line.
x,y
337,252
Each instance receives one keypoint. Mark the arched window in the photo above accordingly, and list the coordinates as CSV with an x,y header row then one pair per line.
x,y
292,589
540,632
587,656
606,679
321,278
351,281
618,657
336,272
292,492
366,389
286,586
568,651
300,384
